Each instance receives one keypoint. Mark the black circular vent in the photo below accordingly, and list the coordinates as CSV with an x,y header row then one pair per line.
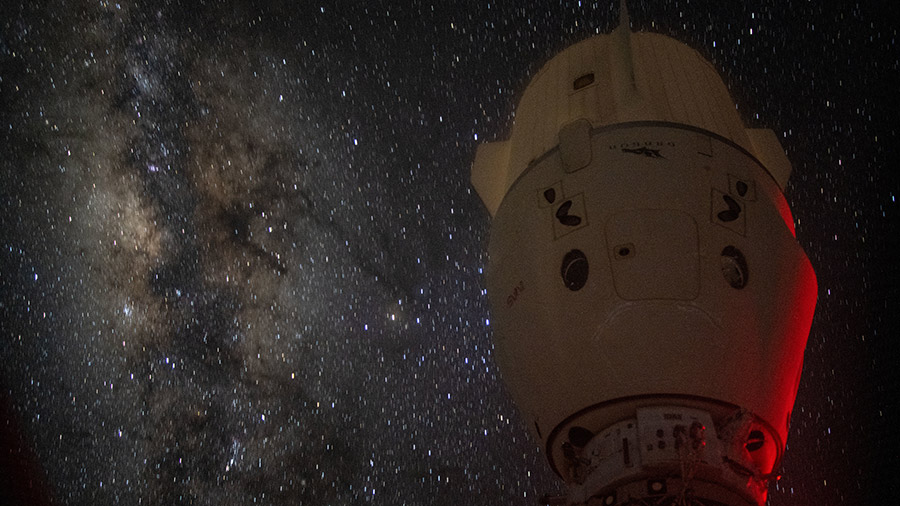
x,y
734,267
574,270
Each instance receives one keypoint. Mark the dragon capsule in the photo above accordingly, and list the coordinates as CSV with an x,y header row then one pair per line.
x,y
650,302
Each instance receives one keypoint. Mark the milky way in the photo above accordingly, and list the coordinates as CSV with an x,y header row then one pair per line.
x,y
242,261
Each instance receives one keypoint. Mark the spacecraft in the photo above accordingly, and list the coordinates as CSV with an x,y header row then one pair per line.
x,y
650,302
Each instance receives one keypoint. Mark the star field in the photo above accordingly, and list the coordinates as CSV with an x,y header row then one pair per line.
x,y
242,261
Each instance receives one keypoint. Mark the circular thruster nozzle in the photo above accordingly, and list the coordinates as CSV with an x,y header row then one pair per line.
x,y
574,270
734,267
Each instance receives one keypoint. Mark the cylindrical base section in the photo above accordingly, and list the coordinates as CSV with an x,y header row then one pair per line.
x,y
668,492
674,453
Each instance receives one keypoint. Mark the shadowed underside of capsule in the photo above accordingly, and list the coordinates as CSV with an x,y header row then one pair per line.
x,y
651,303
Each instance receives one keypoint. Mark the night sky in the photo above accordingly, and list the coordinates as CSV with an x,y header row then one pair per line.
x,y
242,262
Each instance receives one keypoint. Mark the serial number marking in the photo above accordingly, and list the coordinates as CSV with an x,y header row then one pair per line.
x,y
517,290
